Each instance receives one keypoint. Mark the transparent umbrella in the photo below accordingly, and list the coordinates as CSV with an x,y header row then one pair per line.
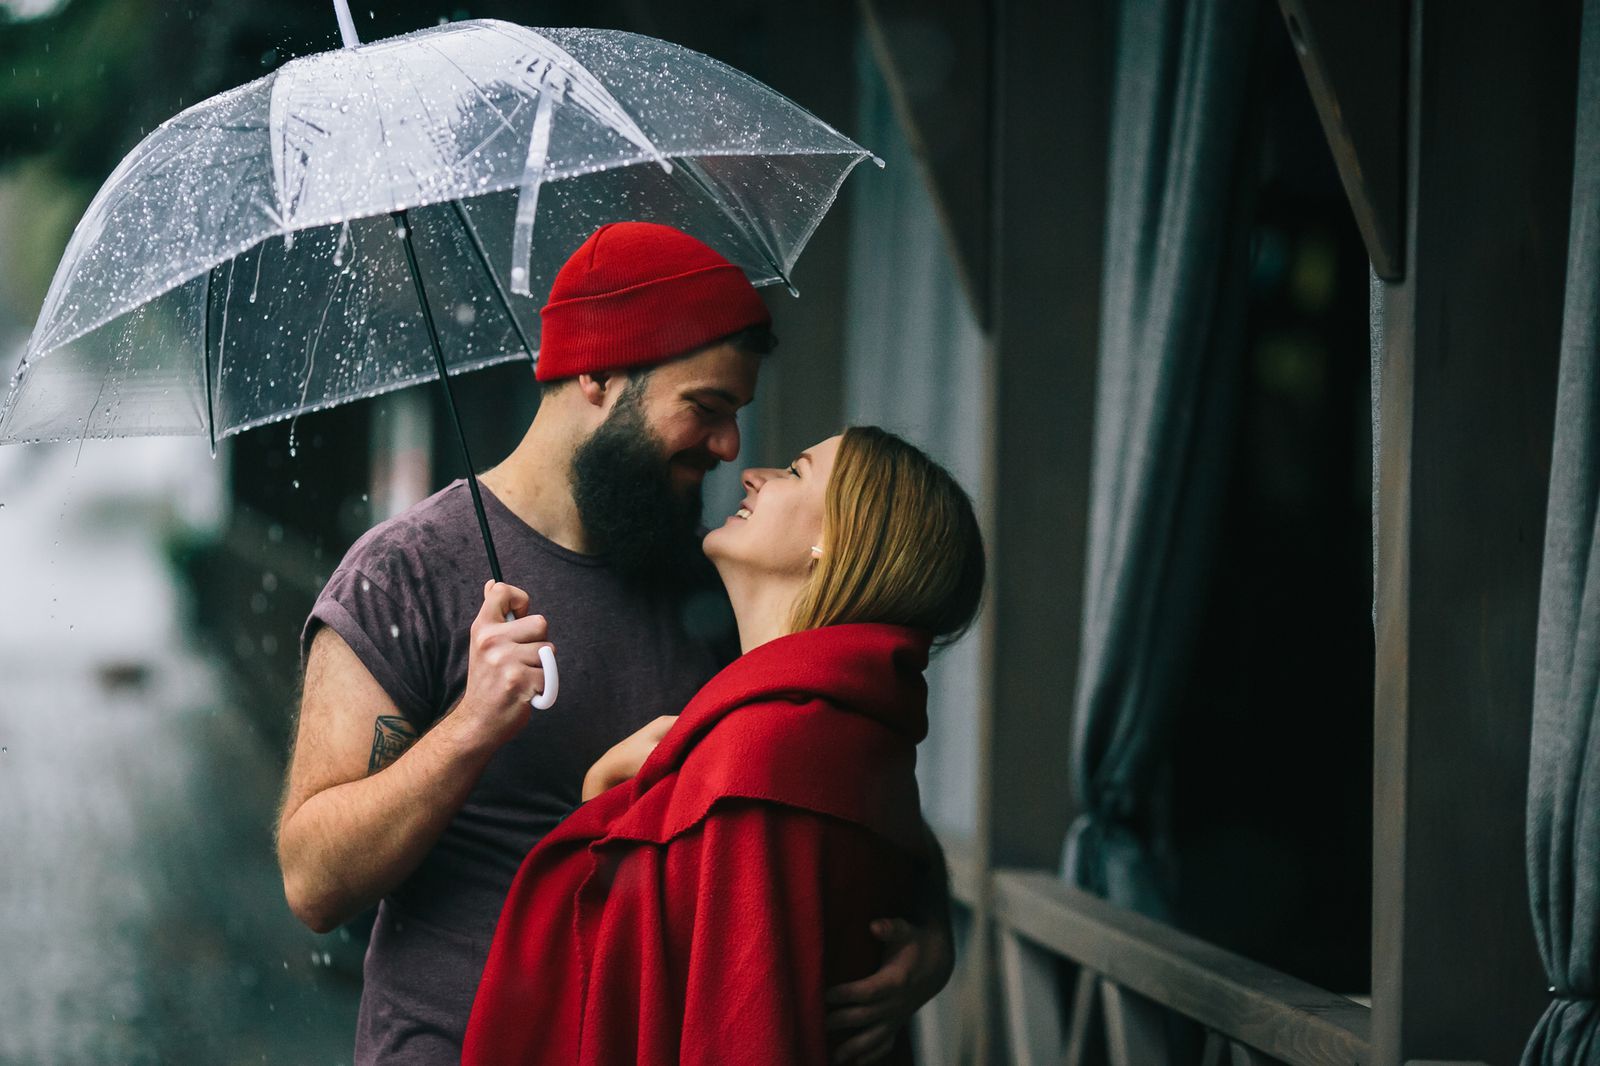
x,y
389,213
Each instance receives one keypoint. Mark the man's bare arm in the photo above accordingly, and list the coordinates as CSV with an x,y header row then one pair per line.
x,y
366,797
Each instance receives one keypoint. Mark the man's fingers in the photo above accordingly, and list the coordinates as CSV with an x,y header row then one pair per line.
x,y
850,1019
500,599
528,655
893,930
885,983
527,629
877,1054
875,1042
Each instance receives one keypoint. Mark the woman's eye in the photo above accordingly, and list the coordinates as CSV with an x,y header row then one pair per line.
x,y
792,471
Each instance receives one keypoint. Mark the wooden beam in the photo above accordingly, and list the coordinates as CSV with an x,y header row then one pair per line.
x,y
935,56
1467,363
1353,55
1281,1015
1032,1000
1049,151
1135,1027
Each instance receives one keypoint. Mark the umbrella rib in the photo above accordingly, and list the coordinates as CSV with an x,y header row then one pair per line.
x,y
205,357
494,279
694,170
505,120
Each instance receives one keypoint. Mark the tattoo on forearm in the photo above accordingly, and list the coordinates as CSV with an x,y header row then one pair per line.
x,y
391,736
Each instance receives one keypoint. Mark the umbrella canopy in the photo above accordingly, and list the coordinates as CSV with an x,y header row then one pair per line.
x,y
244,264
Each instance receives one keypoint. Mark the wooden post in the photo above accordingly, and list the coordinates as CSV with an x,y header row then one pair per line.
x,y
1049,126
1468,368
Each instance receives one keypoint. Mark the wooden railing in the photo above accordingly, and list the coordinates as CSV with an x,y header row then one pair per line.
x,y
1127,974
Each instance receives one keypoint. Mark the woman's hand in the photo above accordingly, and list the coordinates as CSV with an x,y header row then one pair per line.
x,y
623,760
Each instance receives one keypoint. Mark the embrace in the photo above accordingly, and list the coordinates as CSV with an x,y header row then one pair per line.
x,y
710,849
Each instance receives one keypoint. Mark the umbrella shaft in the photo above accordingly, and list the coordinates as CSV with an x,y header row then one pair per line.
x,y
403,228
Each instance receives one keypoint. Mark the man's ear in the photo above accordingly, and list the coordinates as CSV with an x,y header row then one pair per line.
x,y
596,386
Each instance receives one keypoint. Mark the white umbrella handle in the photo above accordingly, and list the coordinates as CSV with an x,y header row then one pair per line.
x,y
552,677
347,25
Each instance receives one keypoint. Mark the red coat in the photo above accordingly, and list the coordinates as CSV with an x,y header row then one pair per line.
x,y
696,914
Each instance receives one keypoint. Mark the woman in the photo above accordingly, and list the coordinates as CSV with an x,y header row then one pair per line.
x,y
696,913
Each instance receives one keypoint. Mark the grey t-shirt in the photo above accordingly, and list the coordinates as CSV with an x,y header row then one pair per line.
x,y
404,599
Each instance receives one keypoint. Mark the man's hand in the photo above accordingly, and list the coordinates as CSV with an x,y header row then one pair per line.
x,y
621,763
917,964
503,672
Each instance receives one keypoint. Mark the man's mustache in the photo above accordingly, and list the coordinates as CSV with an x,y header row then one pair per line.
x,y
699,460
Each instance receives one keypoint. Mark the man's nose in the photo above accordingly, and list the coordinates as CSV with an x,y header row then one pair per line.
x,y
724,442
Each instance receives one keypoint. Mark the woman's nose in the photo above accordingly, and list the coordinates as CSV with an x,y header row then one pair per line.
x,y
756,476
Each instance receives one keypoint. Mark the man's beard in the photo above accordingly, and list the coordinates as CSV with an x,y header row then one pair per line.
x,y
647,529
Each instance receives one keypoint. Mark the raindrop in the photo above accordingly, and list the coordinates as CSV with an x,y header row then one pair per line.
x,y
296,483
269,581
394,630
4,750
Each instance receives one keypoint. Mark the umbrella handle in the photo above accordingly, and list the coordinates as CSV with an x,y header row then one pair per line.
x,y
552,677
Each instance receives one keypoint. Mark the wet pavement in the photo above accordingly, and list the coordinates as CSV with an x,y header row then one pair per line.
x,y
141,916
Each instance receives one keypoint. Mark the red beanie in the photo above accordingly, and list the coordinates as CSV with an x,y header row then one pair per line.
x,y
638,294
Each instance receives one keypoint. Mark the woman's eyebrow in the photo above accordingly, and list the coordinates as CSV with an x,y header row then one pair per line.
x,y
804,457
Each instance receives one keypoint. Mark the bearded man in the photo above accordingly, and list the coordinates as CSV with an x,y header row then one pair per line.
x,y
420,775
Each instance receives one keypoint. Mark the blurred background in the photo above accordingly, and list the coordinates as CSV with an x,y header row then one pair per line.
x,y
152,594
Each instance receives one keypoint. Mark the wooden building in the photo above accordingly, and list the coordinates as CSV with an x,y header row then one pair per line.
x,y
1352,883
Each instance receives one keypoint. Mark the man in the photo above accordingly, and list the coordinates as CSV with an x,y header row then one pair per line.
x,y
421,776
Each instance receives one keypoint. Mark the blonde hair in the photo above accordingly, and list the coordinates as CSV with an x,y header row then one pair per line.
x,y
901,543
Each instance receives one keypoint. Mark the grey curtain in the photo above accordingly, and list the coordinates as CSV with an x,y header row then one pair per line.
x,y
1172,303
1564,770
914,365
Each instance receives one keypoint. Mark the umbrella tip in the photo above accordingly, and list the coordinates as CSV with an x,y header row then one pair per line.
x,y
347,25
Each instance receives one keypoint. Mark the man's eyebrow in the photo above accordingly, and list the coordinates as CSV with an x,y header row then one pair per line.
x,y
722,394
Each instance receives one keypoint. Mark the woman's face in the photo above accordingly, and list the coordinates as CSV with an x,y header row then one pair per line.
x,y
780,519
